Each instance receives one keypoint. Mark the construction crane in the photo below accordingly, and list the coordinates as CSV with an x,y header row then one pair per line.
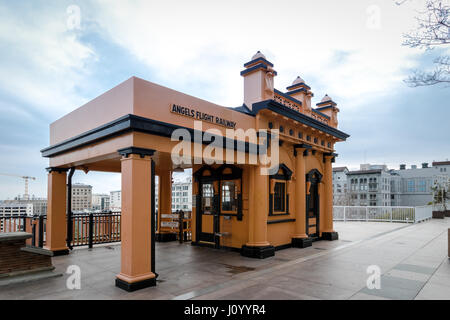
x,y
25,178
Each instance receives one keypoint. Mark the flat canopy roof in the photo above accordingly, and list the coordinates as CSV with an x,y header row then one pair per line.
x,y
140,105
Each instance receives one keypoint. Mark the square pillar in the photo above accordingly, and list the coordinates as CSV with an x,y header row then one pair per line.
x,y
136,227
258,246
56,229
300,238
328,233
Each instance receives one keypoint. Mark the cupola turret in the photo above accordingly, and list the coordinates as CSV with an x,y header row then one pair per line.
x,y
329,107
301,91
258,80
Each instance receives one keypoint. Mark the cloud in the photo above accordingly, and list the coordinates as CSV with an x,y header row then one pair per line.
x,y
183,39
351,51
41,61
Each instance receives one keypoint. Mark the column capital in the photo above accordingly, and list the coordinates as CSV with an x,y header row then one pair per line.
x,y
55,169
142,152
329,156
302,148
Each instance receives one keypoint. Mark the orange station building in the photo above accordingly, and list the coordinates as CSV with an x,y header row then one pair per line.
x,y
129,129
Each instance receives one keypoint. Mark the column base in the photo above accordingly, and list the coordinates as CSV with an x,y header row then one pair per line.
x,y
331,236
301,242
130,287
165,237
258,252
58,252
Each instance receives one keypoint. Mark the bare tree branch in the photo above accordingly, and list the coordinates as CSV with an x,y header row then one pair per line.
x,y
433,27
441,74
433,30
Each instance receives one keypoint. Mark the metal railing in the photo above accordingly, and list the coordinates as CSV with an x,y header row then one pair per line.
x,y
95,228
13,223
88,228
381,213
171,223
24,223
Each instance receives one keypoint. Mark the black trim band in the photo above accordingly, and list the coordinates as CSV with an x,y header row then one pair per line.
x,y
125,152
129,123
297,116
280,221
301,84
261,59
330,102
54,169
297,91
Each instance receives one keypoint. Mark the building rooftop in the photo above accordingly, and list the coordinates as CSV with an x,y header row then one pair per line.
x,y
441,163
364,172
339,169
81,185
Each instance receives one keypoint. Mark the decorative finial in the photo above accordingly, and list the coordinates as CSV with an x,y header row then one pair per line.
x,y
258,55
326,98
298,80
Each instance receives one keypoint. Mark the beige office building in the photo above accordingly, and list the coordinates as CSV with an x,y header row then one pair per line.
x,y
81,197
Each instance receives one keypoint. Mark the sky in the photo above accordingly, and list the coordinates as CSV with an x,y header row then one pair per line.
x,y
57,55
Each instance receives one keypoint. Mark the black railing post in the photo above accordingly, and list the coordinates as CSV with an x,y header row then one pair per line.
x,y
41,232
180,224
69,209
91,230
24,223
33,231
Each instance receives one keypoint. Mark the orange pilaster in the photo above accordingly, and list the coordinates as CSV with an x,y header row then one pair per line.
x,y
328,193
56,228
328,233
136,249
258,246
300,239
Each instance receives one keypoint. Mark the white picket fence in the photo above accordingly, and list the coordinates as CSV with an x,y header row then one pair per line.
x,y
385,214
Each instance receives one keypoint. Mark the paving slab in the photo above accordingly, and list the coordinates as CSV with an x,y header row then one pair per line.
x,y
412,258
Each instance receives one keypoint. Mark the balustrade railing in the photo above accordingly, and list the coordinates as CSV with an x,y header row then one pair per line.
x,y
382,213
88,228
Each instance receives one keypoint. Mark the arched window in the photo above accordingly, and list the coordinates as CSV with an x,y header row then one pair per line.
x,y
227,182
230,190
279,191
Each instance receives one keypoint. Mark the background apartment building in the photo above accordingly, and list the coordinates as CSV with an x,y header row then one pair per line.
x,y
20,205
8,208
370,186
376,185
81,197
100,202
115,201
182,195
340,188
412,186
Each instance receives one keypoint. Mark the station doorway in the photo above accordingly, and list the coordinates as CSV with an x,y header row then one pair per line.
x,y
313,178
